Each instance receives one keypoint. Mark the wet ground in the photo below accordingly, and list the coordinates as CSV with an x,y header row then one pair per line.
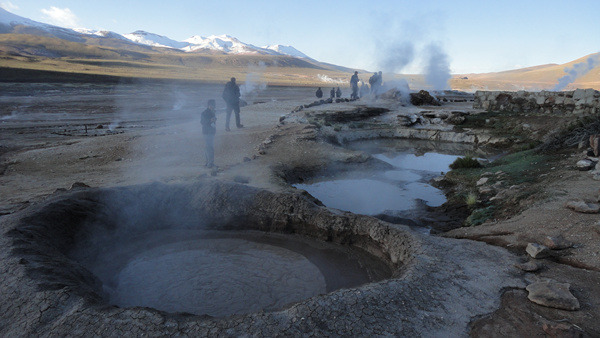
x,y
402,191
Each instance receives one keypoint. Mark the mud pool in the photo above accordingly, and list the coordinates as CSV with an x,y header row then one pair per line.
x,y
224,273
402,190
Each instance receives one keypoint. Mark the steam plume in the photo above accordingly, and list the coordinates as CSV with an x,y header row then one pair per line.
x,y
578,70
397,56
327,79
255,82
437,69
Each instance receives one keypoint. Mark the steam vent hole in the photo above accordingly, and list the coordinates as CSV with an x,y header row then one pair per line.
x,y
209,248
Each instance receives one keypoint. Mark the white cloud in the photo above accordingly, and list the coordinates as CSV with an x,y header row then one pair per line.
x,y
61,17
9,6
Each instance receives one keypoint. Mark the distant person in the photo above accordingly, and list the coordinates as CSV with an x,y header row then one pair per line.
x,y
332,93
354,85
208,119
231,95
338,92
364,89
373,82
319,93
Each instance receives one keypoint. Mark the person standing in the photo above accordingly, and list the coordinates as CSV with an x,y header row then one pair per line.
x,y
354,84
208,119
332,93
373,82
338,93
319,93
231,95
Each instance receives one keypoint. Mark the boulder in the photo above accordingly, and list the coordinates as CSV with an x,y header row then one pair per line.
x,y
552,294
537,250
423,98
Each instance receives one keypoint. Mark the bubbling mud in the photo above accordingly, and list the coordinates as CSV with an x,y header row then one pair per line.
x,y
221,273
207,248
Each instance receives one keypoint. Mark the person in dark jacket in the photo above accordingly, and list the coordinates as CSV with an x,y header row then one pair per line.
x,y
332,93
338,93
354,85
319,93
208,120
231,95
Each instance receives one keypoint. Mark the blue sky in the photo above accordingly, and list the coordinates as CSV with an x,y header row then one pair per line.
x,y
476,36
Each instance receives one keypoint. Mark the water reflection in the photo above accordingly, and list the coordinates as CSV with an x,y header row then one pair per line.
x,y
396,192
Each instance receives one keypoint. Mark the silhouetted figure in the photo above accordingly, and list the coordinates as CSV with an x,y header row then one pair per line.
x,y
373,82
208,120
338,93
231,95
364,89
376,82
332,93
354,86
319,93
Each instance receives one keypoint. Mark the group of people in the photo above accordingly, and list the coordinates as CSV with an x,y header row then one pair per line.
x,y
333,93
231,96
208,119
375,83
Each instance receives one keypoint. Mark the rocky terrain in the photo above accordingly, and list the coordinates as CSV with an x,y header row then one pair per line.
x,y
529,268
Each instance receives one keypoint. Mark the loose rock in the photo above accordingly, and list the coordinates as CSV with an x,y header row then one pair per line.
x,y
530,266
482,181
585,165
562,330
583,207
557,243
552,294
537,250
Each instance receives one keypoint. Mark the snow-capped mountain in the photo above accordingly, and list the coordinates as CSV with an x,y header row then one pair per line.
x,y
9,19
224,43
287,50
196,44
102,33
156,40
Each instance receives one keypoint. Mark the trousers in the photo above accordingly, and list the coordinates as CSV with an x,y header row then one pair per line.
x,y
209,149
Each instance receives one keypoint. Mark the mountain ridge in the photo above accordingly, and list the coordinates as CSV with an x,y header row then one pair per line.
x,y
27,44
196,43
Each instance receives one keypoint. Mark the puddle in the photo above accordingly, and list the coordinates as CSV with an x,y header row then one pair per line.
x,y
401,192
225,273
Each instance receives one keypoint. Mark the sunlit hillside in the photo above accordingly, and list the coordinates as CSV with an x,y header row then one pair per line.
x,y
531,78
27,57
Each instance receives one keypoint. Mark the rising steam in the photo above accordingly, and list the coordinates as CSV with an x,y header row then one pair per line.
x,y
578,70
437,68
255,82
397,56
327,79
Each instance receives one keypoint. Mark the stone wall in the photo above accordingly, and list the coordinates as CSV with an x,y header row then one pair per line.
x,y
578,102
